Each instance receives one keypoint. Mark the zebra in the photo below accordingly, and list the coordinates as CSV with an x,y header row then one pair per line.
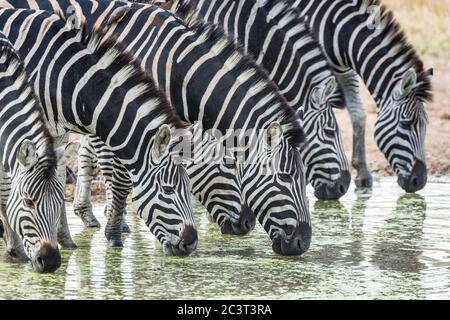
x,y
295,61
30,203
325,159
250,101
102,90
362,38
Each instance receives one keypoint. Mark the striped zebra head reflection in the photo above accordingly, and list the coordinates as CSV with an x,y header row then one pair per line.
x,y
35,202
326,164
168,211
273,187
400,128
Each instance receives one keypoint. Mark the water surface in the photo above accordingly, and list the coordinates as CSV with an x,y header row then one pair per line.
x,y
379,244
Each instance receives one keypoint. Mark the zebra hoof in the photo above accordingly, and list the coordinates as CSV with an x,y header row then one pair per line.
x,y
66,242
92,223
364,181
115,243
86,215
68,245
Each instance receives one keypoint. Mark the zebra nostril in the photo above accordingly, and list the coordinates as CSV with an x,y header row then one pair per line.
x,y
40,261
299,244
415,182
341,188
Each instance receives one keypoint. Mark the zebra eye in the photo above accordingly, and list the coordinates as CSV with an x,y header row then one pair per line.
x,y
168,189
406,124
285,177
329,132
28,203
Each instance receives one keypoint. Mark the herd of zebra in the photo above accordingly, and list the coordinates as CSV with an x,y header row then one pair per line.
x,y
143,80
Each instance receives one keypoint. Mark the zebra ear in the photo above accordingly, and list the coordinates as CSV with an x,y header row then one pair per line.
x,y
118,15
162,140
408,82
27,154
66,153
72,17
324,91
273,135
430,74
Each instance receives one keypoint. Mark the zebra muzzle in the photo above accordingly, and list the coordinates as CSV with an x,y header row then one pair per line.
x,y
335,190
245,224
186,245
47,259
294,244
416,180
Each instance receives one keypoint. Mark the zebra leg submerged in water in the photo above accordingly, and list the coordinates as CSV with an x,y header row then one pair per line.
x,y
117,184
87,164
70,150
115,176
350,82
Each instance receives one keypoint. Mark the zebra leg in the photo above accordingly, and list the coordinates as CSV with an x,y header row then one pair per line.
x,y
350,85
87,163
118,186
2,230
64,237
14,248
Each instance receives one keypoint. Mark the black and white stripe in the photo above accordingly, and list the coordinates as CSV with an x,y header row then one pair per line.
x,y
101,90
362,38
31,207
281,42
208,79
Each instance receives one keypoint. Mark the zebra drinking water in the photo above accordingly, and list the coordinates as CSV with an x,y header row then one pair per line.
x,y
100,89
31,194
281,42
362,38
209,79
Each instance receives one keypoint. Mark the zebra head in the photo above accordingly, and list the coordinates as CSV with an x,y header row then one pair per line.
x,y
216,184
169,213
327,168
400,128
35,203
273,187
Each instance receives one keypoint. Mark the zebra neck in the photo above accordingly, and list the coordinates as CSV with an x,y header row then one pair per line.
x,y
365,38
21,116
122,108
284,45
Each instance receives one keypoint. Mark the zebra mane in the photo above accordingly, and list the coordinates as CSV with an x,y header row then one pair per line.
x,y
287,116
100,44
11,57
393,29
287,13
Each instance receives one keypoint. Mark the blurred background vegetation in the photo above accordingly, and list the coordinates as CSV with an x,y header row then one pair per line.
x,y
427,24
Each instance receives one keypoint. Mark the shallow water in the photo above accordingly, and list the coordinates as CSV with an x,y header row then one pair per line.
x,y
380,244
